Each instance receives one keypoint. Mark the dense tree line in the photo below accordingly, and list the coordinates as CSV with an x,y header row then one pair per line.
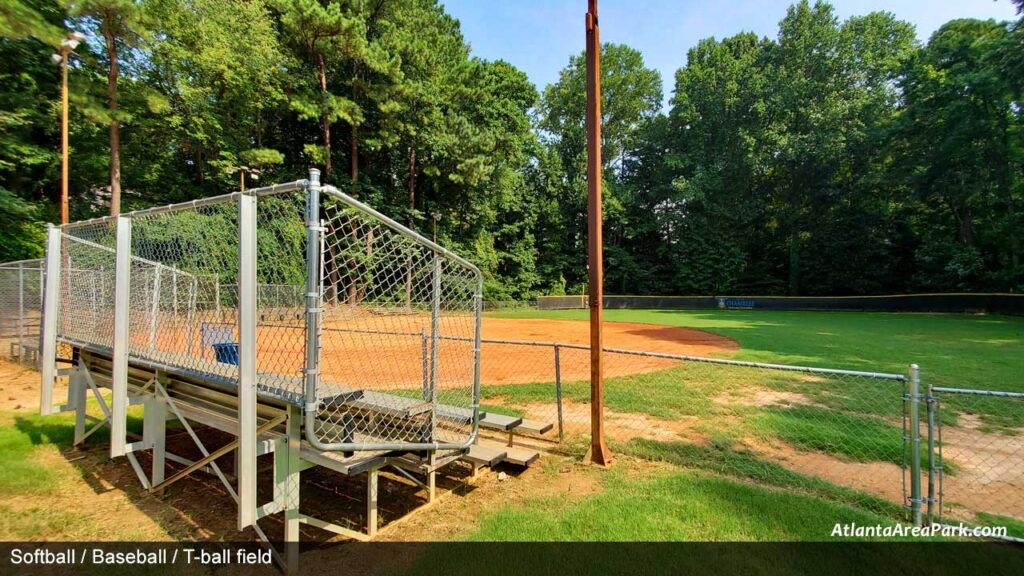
x,y
836,158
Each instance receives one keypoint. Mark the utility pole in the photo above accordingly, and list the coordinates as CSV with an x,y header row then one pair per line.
x,y
599,452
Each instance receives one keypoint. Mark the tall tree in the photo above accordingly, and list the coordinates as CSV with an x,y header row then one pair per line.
x,y
962,134
220,68
324,31
122,25
631,96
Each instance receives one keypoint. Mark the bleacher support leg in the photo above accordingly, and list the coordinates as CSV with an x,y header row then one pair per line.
x,y
155,430
371,503
292,518
432,479
77,399
119,369
51,308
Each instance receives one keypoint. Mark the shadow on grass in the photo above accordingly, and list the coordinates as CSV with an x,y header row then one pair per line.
x,y
725,460
198,507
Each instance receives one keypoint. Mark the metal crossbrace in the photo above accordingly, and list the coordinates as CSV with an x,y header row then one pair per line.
x,y
138,470
209,458
409,476
195,438
99,399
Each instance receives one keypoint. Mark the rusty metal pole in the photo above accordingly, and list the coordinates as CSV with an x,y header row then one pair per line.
x,y
599,452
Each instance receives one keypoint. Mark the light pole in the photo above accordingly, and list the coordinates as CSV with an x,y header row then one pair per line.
x,y
67,46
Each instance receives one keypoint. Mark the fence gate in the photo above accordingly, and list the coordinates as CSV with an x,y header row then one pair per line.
x,y
978,457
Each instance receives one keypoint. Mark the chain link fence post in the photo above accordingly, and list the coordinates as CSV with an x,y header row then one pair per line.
x,y
930,399
247,361
314,266
21,312
558,392
915,443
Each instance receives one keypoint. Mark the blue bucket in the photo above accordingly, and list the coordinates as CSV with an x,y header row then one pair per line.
x,y
226,352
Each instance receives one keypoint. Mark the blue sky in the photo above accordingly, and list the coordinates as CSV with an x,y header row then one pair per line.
x,y
538,36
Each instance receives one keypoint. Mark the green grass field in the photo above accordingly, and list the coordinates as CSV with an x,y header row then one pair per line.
x,y
856,420
718,490
984,352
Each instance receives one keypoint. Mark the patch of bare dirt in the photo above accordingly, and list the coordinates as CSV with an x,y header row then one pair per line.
x,y
988,473
87,482
460,511
763,397
989,469
19,387
620,426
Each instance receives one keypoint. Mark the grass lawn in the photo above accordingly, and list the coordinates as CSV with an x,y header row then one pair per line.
x,y
35,476
854,419
984,352
672,506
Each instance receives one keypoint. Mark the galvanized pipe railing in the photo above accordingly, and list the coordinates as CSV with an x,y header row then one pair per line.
x,y
313,328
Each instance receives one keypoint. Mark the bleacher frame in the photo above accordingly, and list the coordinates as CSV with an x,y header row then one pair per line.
x,y
261,422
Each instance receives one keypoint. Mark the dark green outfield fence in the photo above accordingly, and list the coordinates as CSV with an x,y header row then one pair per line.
x,y
954,303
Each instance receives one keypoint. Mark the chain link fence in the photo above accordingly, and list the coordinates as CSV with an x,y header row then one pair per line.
x,y
833,433
978,456
398,318
369,326
21,303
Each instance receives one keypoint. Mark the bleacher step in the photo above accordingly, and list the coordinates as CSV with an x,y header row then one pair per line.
x,y
521,456
492,421
485,454
534,427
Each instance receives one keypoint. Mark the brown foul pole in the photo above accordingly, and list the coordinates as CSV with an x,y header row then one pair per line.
x,y
599,452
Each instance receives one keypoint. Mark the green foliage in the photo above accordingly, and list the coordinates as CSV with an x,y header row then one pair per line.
x,y
261,157
836,157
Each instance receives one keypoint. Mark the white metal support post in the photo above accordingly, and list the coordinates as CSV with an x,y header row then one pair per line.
x,y
371,502
78,388
246,361
292,517
119,376
51,308
155,432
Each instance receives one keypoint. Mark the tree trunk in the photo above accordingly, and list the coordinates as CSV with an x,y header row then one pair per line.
x,y
412,183
115,127
324,118
354,152
412,206
355,159
794,262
